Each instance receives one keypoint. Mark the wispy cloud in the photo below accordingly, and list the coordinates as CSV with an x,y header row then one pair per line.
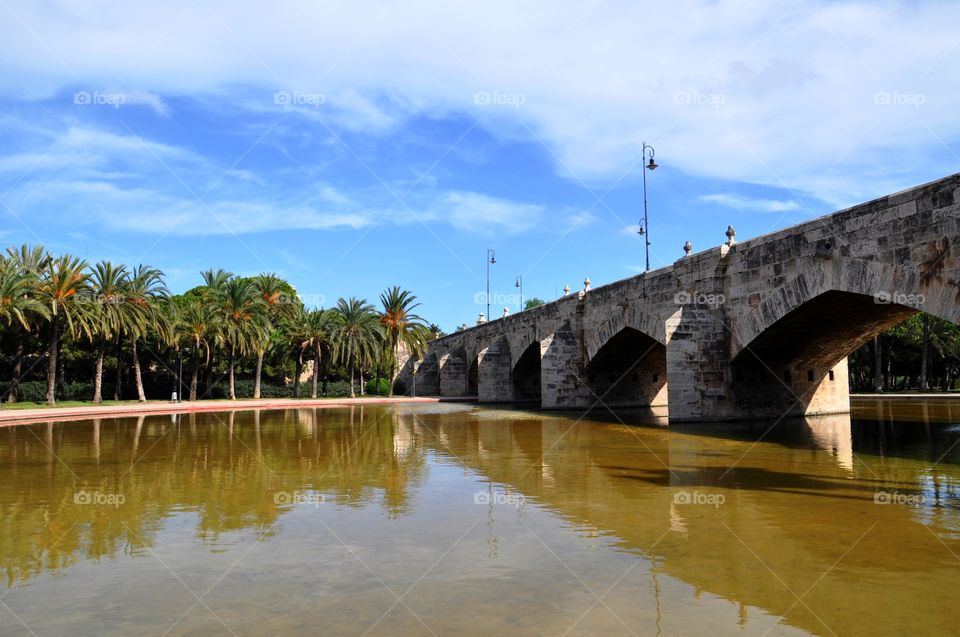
x,y
740,202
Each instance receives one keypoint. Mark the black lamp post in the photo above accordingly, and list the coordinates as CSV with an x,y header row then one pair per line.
x,y
645,226
491,259
519,284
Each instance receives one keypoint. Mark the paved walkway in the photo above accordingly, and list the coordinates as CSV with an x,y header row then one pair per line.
x,y
21,416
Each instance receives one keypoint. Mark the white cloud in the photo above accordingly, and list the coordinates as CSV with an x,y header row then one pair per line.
x,y
741,202
803,97
475,212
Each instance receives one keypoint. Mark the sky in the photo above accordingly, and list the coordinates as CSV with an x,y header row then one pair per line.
x,y
351,146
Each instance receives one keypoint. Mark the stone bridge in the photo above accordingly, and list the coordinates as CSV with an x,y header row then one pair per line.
x,y
754,329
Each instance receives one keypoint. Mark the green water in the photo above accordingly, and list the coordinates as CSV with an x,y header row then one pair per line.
x,y
457,520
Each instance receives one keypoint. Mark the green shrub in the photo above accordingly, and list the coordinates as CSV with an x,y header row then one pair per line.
x,y
381,384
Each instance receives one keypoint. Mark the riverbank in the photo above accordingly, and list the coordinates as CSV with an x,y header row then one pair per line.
x,y
927,396
79,412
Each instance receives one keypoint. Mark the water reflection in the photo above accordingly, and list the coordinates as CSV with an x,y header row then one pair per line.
x,y
835,525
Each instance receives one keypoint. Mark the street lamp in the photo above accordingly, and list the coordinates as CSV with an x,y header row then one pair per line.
x,y
645,226
519,284
491,259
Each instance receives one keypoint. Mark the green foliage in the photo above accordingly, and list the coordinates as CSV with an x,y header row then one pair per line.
x,y
378,386
532,303
110,324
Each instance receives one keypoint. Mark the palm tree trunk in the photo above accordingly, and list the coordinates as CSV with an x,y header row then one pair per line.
x,y
256,381
316,374
233,391
137,377
117,389
52,360
98,372
297,370
393,373
61,369
17,370
353,394
195,374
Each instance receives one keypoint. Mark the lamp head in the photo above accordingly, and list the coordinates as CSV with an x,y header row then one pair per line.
x,y
652,165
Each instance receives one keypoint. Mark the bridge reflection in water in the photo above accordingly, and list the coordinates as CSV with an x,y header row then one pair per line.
x,y
497,521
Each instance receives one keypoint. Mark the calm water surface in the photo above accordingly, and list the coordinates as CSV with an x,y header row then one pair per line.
x,y
457,520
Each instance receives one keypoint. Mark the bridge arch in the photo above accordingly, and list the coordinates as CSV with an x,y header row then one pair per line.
x,y
919,287
526,374
628,369
647,324
788,353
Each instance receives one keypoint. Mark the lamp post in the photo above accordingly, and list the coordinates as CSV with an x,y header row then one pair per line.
x,y
491,259
519,284
645,226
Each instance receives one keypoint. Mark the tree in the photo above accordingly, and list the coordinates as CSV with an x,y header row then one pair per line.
x,y
64,279
194,327
145,289
318,339
107,312
27,262
276,304
357,333
532,303
401,325
242,321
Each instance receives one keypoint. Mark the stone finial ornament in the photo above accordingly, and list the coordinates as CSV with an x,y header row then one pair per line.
x,y
731,234
687,248
586,284
481,319
566,290
506,312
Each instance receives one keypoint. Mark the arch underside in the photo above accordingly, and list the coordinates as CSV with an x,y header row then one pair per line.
x,y
798,364
628,370
525,376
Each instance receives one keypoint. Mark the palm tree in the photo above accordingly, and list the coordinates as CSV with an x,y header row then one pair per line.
x,y
194,325
145,289
109,312
401,325
241,314
27,262
356,335
274,305
65,277
318,334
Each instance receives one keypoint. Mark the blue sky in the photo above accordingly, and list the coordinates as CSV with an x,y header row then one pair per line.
x,y
352,146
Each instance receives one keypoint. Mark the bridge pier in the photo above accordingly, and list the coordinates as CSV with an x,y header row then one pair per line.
x,y
560,371
453,374
494,383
